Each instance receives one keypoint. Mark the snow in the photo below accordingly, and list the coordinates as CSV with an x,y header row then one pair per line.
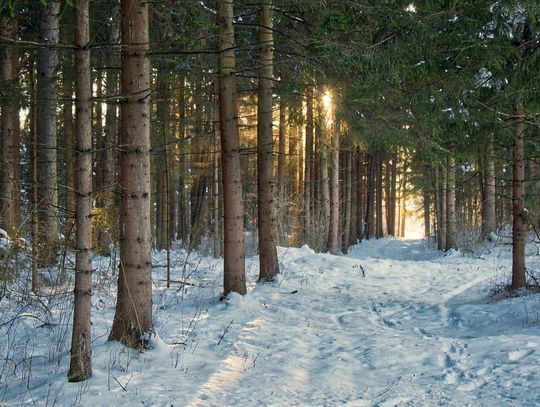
x,y
420,329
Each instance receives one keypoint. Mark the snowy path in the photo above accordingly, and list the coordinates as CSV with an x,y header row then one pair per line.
x,y
416,331
405,334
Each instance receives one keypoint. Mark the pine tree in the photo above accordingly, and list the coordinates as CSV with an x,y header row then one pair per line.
x,y
132,322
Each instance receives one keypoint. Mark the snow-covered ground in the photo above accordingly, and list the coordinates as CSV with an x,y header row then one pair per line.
x,y
393,323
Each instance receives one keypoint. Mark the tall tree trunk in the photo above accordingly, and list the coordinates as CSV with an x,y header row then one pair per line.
x,y
10,197
183,199
388,194
109,231
162,167
34,167
293,171
80,367
355,156
520,216
347,201
268,261
379,232
451,232
216,192
281,173
427,206
489,220
360,170
441,188
308,167
46,133
69,140
325,186
368,222
132,322
403,202
233,210
392,202
333,235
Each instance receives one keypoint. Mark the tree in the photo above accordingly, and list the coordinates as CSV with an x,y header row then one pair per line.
x,y
333,235
81,348
268,261
518,207
451,231
10,197
46,134
132,322
234,278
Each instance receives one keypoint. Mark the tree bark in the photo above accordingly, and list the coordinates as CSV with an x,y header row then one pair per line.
x,y
333,234
162,161
10,197
80,367
132,324
451,232
234,279
379,232
69,140
109,231
489,220
308,166
370,196
46,132
347,201
441,188
325,186
267,223
519,214
281,172
360,170
427,213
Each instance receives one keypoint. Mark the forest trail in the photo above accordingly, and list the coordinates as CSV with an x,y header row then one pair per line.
x,y
394,323
405,334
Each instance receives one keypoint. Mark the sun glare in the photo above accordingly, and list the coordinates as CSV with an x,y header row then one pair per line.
x,y
328,104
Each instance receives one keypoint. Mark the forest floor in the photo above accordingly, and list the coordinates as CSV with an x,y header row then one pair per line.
x,y
394,323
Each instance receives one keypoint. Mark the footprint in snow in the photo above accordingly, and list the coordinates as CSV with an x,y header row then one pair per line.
x,y
519,354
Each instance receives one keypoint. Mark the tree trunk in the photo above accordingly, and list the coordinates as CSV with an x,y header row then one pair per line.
x,y
293,170
308,167
233,210
183,199
162,167
80,367
520,216
347,201
10,197
489,221
34,167
69,140
379,232
403,202
368,222
110,140
132,322
451,232
268,261
392,203
427,206
281,173
333,235
355,156
441,188
360,169
216,192
46,132
325,186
